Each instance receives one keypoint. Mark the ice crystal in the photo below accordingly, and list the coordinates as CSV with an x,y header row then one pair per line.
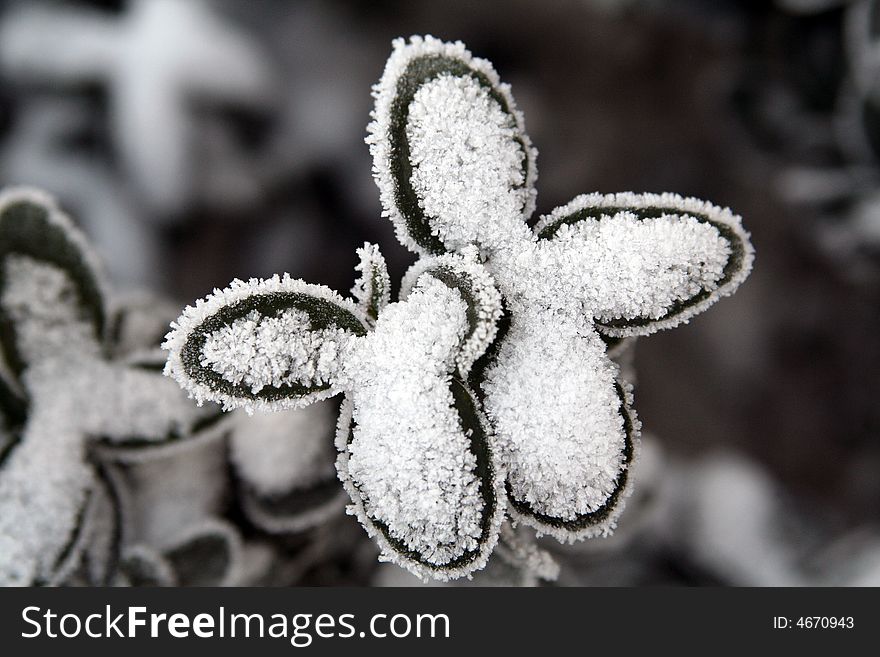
x,y
61,394
456,170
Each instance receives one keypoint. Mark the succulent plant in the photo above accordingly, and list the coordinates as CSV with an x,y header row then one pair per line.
x,y
487,388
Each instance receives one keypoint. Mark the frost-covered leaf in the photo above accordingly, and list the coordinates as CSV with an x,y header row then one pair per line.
x,y
416,456
643,262
372,290
418,459
284,465
450,152
455,172
477,289
51,293
273,344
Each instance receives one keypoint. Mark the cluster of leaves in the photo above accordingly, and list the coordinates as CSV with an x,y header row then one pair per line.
x,y
108,473
486,391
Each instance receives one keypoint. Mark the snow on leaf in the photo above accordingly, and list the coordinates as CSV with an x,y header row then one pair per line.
x,y
263,344
456,172
59,295
415,451
442,175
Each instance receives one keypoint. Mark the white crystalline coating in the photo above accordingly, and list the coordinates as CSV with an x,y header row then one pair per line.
x,y
485,298
279,350
554,402
410,468
623,267
41,300
40,505
55,217
372,290
467,165
488,157
409,459
277,453
45,479
650,264
194,316
626,264
133,404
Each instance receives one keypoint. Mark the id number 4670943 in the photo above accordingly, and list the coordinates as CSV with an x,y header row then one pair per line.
x,y
814,623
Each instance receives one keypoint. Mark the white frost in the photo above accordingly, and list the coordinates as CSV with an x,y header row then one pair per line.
x,y
551,393
409,468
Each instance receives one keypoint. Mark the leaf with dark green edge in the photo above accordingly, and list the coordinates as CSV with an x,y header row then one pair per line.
x,y
32,226
311,316
601,520
483,302
680,213
207,554
488,471
484,363
372,290
411,67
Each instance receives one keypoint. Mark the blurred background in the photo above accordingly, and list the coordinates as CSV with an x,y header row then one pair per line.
x,y
196,142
